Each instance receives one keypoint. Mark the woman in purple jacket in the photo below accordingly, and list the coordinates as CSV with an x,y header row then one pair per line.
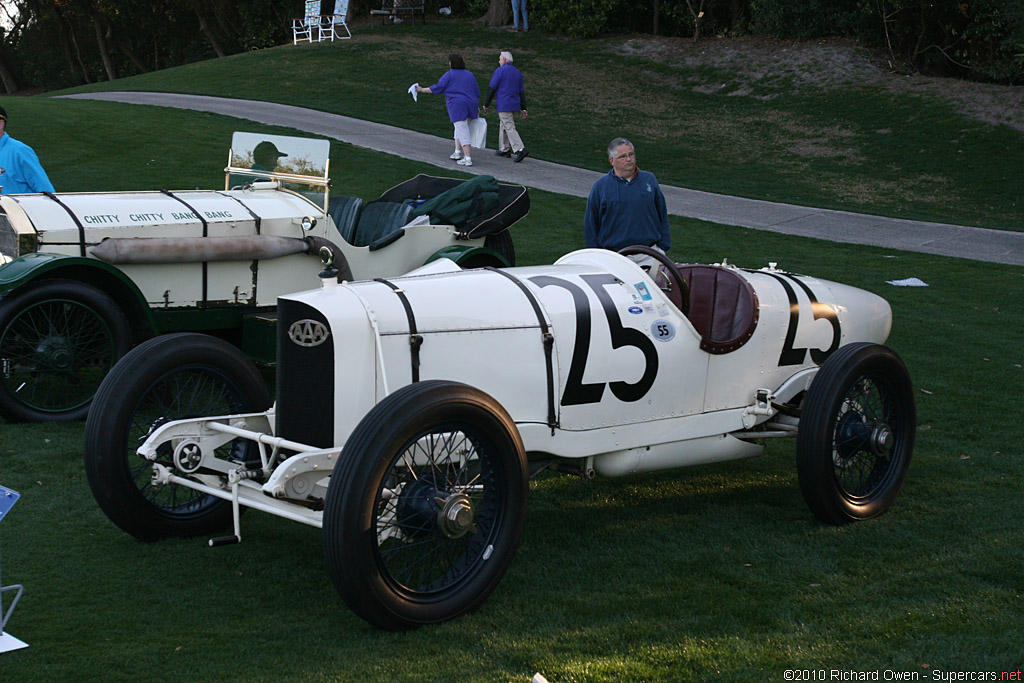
x,y
462,95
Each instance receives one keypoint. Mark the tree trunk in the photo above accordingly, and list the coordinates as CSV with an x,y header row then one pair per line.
x,y
134,58
102,34
225,17
7,76
51,12
210,33
497,13
698,16
67,31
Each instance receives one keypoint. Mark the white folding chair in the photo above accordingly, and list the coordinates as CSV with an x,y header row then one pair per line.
x,y
331,22
302,29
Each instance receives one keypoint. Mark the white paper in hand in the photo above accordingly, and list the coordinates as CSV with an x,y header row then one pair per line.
x,y
413,92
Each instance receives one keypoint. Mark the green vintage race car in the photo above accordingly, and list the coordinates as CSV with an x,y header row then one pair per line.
x,y
86,276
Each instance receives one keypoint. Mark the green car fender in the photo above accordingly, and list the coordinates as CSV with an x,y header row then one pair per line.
x,y
38,266
470,257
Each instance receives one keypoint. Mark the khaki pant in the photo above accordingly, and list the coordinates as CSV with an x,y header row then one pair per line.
x,y
507,134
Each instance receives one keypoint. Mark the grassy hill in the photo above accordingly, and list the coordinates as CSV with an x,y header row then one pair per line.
x,y
816,125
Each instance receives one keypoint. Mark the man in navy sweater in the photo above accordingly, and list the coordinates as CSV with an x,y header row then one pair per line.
x,y
626,206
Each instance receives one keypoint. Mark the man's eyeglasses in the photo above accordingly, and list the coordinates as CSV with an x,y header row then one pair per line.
x,y
627,155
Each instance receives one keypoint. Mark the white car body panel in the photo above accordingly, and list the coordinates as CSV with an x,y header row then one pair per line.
x,y
486,328
227,213
478,327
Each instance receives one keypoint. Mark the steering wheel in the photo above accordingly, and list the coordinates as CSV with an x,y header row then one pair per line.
x,y
677,291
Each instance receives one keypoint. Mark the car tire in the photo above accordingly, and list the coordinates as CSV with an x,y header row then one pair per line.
x,y
856,434
167,378
501,242
398,497
58,339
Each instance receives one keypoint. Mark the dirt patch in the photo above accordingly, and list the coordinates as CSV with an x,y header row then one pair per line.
x,y
757,65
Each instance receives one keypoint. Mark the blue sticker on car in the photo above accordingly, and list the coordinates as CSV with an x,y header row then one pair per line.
x,y
635,310
641,288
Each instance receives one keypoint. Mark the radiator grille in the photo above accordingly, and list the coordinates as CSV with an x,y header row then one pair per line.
x,y
305,380
8,237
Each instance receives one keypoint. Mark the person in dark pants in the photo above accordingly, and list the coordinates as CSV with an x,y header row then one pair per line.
x,y
626,205
507,83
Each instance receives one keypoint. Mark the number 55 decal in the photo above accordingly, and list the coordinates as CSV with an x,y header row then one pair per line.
x,y
578,392
794,355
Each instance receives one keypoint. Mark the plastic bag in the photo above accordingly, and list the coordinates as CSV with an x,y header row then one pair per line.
x,y
478,132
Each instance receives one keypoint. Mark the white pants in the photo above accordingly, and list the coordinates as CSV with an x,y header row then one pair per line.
x,y
462,132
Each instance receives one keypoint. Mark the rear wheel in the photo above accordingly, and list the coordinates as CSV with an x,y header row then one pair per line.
x,y
856,434
167,378
426,507
58,339
501,242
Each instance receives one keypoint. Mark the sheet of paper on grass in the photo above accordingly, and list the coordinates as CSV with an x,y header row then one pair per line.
x,y
908,282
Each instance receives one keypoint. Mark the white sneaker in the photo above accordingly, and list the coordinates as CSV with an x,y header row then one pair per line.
x,y
457,154
468,161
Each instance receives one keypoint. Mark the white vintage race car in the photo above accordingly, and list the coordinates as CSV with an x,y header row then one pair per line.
x,y
411,412
85,276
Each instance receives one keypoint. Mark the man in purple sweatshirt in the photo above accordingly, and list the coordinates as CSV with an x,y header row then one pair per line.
x,y
507,84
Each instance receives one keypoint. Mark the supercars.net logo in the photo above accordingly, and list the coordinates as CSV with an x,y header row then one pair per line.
x,y
308,333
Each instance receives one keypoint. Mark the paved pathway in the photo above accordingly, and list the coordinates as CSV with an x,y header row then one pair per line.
x,y
981,244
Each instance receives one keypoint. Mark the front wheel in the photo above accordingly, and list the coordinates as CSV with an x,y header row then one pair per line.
x,y
426,507
167,378
58,339
856,434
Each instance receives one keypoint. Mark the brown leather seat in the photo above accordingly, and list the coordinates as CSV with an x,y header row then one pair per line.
x,y
723,307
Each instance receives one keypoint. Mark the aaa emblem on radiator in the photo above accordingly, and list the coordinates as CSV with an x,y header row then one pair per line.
x,y
308,332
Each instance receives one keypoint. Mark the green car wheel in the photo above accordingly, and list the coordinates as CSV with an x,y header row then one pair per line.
x,y
58,340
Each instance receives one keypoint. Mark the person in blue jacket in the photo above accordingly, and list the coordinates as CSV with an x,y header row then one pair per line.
x,y
507,84
20,170
462,95
626,206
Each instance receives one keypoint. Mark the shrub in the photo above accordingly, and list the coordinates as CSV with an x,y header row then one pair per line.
x,y
576,18
805,19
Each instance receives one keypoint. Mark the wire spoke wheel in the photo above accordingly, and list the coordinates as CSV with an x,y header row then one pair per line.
x,y
58,340
437,511
856,434
862,442
168,378
426,506
180,393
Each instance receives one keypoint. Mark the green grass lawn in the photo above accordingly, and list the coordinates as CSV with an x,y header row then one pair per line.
x,y
851,146
710,573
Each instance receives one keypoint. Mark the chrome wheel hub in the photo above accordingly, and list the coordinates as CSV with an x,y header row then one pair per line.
x,y
455,518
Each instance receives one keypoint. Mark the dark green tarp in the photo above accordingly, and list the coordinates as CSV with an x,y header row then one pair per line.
x,y
462,203
513,202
